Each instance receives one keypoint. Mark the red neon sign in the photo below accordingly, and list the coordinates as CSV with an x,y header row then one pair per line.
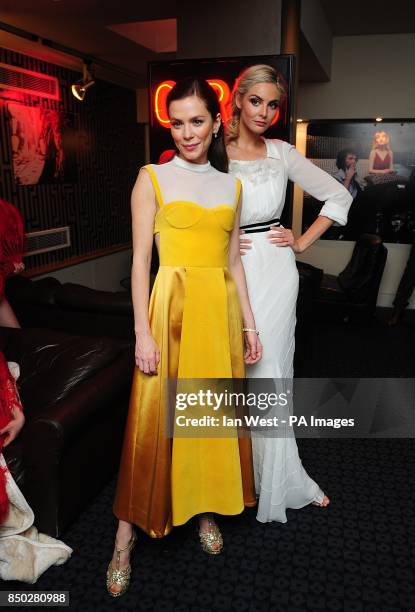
x,y
277,116
160,97
160,106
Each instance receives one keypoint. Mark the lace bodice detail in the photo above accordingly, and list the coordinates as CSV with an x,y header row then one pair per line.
x,y
264,182
256,171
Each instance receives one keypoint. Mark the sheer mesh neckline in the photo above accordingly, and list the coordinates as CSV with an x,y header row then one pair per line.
x,y
182,163
208,187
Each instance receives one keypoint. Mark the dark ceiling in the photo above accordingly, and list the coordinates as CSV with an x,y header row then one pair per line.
x,y
358,17
100,11
82,25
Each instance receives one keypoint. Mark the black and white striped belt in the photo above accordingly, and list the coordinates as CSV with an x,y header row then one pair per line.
x,y
265,226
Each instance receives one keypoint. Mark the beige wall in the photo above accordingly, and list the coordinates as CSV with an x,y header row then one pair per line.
x,y
103,273
317,32
371,76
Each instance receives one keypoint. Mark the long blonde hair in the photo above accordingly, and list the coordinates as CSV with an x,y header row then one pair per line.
x,y
375,143
260,73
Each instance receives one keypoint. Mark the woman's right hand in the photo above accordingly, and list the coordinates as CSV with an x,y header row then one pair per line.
x,y
244,243
351,171
147,353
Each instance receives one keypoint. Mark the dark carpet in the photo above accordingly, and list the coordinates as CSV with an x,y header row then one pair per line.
x,y
371,349
358,555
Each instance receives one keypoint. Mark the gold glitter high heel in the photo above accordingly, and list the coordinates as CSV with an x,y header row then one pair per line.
x,y
211,539
120,577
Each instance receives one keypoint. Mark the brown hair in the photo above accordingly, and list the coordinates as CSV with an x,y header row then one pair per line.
x,y
194,86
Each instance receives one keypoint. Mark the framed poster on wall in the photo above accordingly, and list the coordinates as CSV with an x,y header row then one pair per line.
x,y
376,163
221,73
43,144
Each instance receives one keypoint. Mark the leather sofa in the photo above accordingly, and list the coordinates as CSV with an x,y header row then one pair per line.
x,y
70,307
75,391
354,292
309,284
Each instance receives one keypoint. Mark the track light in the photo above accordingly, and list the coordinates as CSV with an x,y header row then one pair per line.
x,y
79,88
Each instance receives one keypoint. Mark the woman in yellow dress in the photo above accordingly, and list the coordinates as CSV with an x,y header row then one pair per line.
x,y
194,327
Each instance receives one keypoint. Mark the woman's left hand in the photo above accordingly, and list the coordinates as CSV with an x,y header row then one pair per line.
x,y
283,237
253,348
14,426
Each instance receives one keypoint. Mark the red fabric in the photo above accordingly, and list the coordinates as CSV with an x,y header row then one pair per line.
x,y
12,241
166,156
381,164
11,254
9,399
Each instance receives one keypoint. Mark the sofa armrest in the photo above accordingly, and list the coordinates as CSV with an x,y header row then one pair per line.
x,y
72,448
66,417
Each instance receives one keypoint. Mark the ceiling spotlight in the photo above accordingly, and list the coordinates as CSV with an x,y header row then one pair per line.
x,y
379,119
300,120
79,88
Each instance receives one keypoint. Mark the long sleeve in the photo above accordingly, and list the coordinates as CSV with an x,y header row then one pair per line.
x,y
319,184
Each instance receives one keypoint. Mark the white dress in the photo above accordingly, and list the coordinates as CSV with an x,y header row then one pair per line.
x,y
272,279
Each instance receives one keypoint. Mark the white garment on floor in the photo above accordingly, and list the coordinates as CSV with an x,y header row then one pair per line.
x,y
24,552
272,278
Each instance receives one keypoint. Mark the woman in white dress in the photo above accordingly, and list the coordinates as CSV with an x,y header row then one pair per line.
x,y
264,167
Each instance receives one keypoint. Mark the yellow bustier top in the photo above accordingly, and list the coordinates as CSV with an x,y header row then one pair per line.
x,y
191,234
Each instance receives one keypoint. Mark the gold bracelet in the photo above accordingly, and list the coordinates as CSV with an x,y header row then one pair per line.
x,y
249,329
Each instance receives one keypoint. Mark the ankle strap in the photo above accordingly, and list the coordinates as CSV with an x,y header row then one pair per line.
x,y
130,543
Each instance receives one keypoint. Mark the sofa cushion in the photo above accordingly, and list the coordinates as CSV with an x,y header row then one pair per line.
x,y
53,363
78,297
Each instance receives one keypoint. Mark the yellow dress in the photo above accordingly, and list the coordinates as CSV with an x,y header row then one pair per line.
x,y
196,322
